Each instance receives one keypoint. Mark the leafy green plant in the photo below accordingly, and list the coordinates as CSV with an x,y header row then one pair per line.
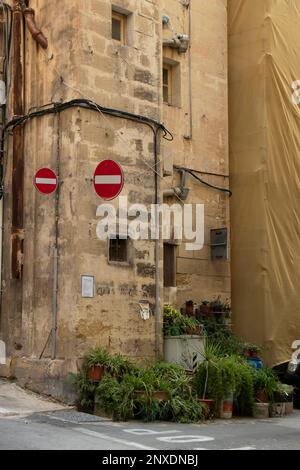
x,y
97,357
252,348
182,410
283,393
218,376
265,380
116,398
239,378
174,378
176,324
227,340
147,408
208,372
85,390
118,366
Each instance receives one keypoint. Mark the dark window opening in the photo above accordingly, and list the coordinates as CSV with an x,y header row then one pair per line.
x,y
169,265
118,27
118,250
167,84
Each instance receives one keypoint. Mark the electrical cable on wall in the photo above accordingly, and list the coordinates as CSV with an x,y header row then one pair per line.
x,y
218,188
85,103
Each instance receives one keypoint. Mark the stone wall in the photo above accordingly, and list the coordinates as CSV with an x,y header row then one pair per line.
x,y
83,61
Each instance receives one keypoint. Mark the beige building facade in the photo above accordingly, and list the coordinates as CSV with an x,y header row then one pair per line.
x,y
159,61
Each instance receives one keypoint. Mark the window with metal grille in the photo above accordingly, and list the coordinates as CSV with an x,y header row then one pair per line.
x,y
118,250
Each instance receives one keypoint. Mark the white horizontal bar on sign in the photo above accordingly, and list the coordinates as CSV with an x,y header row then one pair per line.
x,y
45,181
108,179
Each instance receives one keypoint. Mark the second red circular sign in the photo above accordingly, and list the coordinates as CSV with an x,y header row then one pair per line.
x,y
108,180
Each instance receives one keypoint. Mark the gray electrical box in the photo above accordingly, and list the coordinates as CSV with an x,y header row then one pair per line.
x,y
219,244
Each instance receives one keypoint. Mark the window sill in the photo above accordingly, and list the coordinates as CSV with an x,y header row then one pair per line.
x,y
173,106
124,264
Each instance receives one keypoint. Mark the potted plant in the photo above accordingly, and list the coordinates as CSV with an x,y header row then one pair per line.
x,y
252,350
115,399
282,402
207,381
189,308
205,308
177,324
117,366
95,362
265,384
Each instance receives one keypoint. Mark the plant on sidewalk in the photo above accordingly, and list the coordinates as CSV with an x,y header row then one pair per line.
x,y
85,390
219,376
181,410
240,379
265,383
118,366
115,398
207,381
175,377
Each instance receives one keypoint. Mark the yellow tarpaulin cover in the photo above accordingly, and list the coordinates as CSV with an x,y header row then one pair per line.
x,y
264,61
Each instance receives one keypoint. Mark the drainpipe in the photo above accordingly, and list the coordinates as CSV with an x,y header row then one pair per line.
x,y
181,191
190,71
55,252
36,33
190,135
157,250
1,240
18,146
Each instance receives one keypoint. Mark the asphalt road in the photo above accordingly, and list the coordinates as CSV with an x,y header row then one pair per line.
x,y
65,430
31,422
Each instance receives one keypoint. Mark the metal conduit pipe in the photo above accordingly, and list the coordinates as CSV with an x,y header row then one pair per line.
x,y
18,146
181,191
36,33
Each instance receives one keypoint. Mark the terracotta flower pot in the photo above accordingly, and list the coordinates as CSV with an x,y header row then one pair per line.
x,y
262,397
95,373
208,406
189,309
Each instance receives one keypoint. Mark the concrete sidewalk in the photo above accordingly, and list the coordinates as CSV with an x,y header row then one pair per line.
x,y
14,401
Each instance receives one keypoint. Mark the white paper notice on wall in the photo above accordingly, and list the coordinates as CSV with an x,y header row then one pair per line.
x,y
2,353
87,287
2,93
144,309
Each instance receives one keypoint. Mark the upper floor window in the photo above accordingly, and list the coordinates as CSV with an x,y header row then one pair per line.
x,y
118,27
167,84
171,83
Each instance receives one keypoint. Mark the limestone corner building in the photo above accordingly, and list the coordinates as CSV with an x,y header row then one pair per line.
x,y
164,60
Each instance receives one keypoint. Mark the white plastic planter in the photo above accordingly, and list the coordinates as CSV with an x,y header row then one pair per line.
x,y
184,350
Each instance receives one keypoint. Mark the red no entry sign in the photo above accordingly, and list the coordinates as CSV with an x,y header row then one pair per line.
x,y
45,181
108,180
